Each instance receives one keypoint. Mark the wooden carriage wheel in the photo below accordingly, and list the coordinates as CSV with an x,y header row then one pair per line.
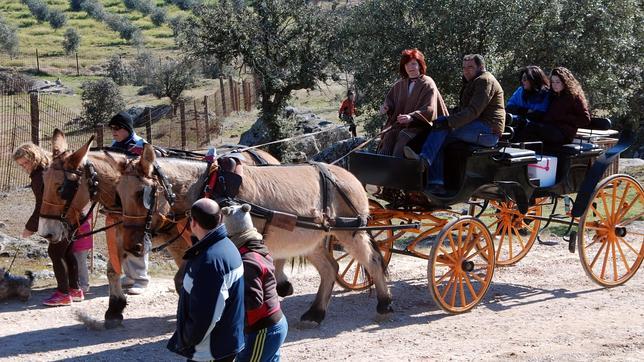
x,y
351,274
514,233
611,231
461,265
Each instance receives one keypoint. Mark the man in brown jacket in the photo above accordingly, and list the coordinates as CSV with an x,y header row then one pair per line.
x,y
480,119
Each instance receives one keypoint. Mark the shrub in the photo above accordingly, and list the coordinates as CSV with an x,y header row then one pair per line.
x,y
171,78
71,41
101,99
8,38
75,5
117,70
158,16
57,19
38,8
143,68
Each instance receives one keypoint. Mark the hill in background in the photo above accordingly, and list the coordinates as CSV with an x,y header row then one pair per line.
x,y
98,40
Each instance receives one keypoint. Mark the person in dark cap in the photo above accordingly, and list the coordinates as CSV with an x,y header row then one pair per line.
x,y
136,278
125,138
210,314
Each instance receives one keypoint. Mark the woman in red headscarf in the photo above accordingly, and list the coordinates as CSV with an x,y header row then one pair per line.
x,y
411,105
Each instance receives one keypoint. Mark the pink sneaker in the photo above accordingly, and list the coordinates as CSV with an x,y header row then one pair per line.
x,y
77,295
58,299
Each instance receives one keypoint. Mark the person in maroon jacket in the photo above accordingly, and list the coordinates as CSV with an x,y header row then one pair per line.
x,y
567,112
34,160
266,326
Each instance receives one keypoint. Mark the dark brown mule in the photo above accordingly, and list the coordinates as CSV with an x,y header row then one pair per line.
x,y
69,172
291,189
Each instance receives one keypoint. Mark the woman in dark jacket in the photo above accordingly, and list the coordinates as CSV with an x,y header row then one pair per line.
x,y
34,160
567,112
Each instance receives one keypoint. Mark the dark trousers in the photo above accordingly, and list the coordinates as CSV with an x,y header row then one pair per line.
x,y
65,266
539,131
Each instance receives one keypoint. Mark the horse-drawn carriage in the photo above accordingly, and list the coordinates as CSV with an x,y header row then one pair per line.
x,y
494,212
298,207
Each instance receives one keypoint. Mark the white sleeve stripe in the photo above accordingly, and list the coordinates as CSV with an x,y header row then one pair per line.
x,y
202,350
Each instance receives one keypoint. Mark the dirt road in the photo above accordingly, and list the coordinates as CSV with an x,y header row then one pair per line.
x,y
545,308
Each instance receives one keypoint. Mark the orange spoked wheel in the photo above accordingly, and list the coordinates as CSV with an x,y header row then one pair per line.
x,y
611,231
461,265
514,233
351,274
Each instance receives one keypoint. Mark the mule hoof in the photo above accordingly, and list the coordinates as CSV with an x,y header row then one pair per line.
x,y
113,323
315,316
307,325
384,308
284,289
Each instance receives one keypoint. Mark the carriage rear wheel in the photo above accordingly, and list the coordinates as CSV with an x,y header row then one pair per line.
x,y
461,265
351,274
611,231
514,233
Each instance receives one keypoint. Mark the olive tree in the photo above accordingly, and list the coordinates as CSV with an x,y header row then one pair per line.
x,y
288,44
8,38
598,40
171,77
101,100
71,41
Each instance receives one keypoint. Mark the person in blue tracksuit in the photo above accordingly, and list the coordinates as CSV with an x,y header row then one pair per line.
x,y
210,314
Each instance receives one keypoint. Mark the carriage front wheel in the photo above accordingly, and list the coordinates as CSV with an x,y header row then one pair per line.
x,y
461,265
611,231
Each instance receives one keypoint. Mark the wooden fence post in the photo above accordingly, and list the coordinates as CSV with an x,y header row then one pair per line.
x,y
194,103
223,96
182,115
231,87
77,67
99,135
35,118
37,61
148,127
206,115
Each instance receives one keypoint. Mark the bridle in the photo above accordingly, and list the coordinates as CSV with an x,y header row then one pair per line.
x,y
150,203
67,192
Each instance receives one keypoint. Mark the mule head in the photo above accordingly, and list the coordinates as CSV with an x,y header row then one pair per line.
x,y
66,191
142,199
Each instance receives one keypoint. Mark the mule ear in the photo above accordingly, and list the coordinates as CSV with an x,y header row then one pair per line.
x,y
147,160
245,208
227,211
77,157
58,143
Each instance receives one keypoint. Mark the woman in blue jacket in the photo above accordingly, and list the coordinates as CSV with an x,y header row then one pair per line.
x,y
532,98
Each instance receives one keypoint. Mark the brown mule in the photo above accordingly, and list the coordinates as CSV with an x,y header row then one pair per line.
x,y
291,189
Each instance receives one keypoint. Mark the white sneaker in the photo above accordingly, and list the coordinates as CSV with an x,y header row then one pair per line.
x,y
136,290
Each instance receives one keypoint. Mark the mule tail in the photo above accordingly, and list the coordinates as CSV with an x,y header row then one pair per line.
x,y
88,321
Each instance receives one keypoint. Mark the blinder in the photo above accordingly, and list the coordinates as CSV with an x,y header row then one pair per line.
x,y
149,196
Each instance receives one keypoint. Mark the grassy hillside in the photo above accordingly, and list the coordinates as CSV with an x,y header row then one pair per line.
x,y
98,41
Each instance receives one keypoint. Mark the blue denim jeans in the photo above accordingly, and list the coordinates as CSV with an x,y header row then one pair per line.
x,y
264,345
475,132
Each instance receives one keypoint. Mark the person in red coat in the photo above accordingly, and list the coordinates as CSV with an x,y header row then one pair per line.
x,y
347,111
567,112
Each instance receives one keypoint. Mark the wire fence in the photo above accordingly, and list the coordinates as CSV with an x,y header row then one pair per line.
x,y
191,124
